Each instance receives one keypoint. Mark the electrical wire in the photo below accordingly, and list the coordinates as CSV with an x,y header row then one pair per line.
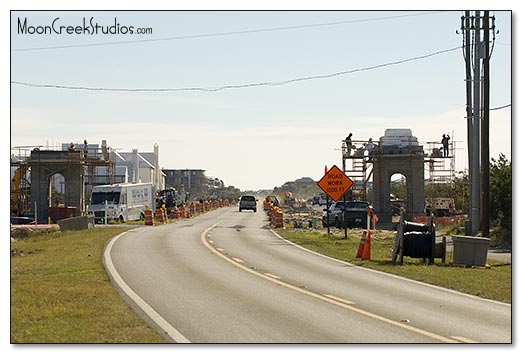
x,y
501,107
221,88
225,33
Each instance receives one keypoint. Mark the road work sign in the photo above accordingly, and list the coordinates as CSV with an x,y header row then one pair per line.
x,y
335,183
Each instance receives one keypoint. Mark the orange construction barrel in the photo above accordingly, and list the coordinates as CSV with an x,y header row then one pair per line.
x,y
148,217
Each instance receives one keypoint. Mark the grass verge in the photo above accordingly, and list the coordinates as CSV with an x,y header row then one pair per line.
x,y
493,282
60,292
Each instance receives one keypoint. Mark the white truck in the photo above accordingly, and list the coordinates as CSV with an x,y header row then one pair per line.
x,y
123,202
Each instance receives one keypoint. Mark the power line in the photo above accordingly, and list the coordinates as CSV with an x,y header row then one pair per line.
x,y
225,33
501,107
221,88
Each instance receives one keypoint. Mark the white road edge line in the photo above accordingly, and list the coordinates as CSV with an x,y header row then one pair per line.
x,y
149,311
388,274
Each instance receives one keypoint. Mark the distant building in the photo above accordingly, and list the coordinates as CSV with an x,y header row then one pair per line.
x,y
192,181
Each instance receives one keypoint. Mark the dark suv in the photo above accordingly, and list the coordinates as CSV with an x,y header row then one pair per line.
x,y
248,202
356,214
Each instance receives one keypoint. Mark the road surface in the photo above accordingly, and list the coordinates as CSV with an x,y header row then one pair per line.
x,y
225,277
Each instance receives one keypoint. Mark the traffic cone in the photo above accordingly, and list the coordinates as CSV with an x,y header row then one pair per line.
x,y
361,245
367,251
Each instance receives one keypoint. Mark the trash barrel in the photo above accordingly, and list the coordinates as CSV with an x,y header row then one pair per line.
x,y
470,250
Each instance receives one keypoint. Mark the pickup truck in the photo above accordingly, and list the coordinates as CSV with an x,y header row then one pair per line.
x,y
356,214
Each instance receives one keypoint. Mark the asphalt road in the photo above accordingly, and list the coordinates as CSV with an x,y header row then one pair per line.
x,y
225,277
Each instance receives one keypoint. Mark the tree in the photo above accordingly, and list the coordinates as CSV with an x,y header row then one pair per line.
x,y
501,191
461,191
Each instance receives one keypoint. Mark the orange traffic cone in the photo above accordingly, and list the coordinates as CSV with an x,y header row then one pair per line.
x,y
361,245
367,252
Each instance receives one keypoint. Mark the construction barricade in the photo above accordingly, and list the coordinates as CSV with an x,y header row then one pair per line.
x,y
148,217
278,219
159,217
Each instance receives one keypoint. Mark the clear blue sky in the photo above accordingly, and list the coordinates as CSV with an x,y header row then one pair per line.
x,y
254,137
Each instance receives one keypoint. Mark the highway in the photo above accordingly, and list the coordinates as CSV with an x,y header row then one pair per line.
x,y
226,277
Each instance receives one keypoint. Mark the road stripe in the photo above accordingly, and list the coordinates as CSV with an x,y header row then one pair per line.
x,y
464,339
147,309
339,299
322,297
272,275
239,260
219,249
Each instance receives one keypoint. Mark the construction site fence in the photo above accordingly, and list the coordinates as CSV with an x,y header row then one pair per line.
x,y
440,222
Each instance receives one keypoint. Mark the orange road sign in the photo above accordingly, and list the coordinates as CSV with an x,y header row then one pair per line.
x,y
335,183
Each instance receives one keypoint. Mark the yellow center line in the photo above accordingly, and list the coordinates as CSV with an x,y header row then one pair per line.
x,y
239,260
339,299
322,297
464,339
272,275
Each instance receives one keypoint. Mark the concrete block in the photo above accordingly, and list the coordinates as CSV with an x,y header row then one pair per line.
x,y
76,223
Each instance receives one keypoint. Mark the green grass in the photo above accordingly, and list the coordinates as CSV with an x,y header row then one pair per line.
x,y
492,282
60,292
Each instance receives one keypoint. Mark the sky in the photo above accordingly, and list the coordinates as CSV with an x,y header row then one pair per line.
x,y
361,69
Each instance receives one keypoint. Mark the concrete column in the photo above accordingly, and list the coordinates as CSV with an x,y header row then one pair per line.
x,y
135,166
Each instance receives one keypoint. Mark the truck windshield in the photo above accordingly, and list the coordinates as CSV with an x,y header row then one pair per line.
x,y
101,197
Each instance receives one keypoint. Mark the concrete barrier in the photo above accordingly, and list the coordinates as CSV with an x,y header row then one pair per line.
x,y
76,223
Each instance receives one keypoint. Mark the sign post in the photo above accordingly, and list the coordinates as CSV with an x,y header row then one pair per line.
x,y
335,184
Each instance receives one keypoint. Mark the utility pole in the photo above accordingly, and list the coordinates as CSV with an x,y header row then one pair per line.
x,y
475,153
465,27
484,131
477,114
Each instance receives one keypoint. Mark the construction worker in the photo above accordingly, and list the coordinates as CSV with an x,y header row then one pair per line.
x,y
369,146
348,142
445,145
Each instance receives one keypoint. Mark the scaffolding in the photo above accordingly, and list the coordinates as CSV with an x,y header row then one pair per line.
x,y
89,158
358,167
441,169
441,173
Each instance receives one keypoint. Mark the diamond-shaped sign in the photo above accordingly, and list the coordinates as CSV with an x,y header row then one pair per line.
x,y
335,183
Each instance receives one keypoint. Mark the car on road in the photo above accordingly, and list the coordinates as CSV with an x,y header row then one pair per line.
x,y
356,214
248,202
